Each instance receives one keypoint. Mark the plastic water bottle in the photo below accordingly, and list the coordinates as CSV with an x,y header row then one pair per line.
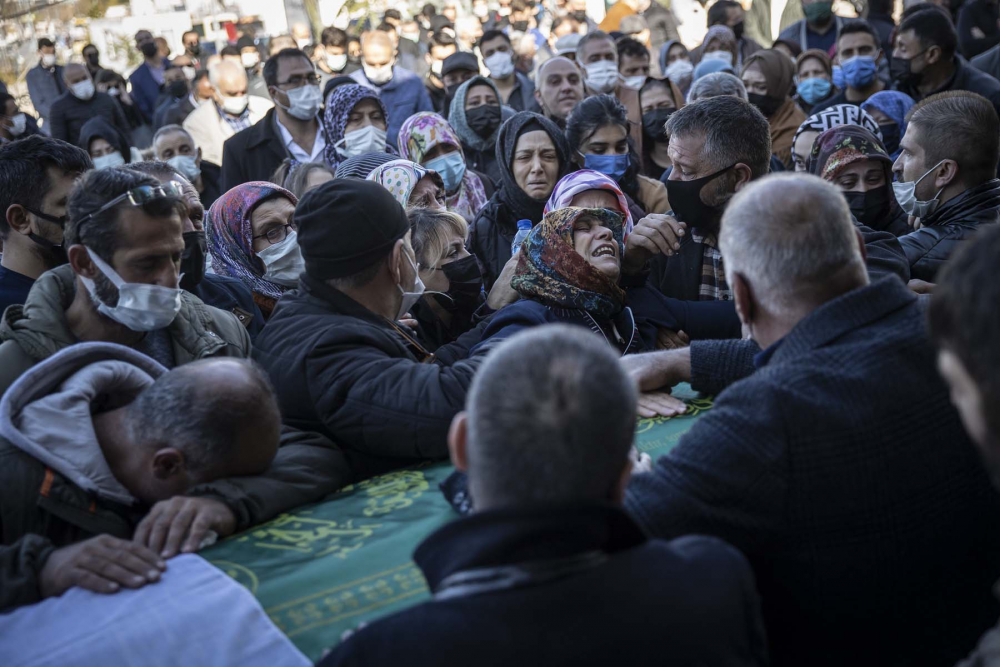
x,y
523,229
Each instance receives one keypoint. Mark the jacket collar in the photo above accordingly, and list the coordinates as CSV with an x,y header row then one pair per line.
x,y
978,204
504,537
337,301
842,315
266,131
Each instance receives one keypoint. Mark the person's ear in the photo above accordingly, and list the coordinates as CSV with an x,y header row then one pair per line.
x,y
947,173
395,262
167,464
743,298
743,176
18,220
933,55
80,260
458,441
618,490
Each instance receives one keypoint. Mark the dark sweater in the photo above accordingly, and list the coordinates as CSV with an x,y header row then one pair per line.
x,y
69,114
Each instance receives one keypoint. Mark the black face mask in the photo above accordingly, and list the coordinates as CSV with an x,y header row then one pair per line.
x,y
149,49
466,285
93,59
653,122
870,208
685,198
57,251
483,120
194,50
520,26
579,15
890,137
899,70
193,259
738,30
177,89
767,104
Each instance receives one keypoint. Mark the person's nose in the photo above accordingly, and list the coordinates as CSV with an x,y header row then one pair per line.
x,y
536,164
603,233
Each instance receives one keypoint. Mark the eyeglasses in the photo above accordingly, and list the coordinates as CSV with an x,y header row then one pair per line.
x,y
300,80
273,235
140,196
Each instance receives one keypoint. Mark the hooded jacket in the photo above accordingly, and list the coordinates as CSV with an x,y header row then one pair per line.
x,y
98,127
38,329
480,152
56,487
929,247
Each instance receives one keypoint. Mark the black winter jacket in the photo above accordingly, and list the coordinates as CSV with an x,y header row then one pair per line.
x,y
69,115
929,247
252,154
343,371
490,236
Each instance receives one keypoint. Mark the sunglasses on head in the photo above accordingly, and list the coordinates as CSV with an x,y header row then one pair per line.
x,y
140,196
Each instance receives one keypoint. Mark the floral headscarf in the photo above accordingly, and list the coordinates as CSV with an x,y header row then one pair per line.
x,y
835,116
230,238
399,177
841,146
573,184
423,131
552,272
339,106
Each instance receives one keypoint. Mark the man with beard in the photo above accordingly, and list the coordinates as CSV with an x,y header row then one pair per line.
x,y
36,176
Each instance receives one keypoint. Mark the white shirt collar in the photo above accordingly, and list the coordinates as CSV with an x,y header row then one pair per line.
x,y
296,151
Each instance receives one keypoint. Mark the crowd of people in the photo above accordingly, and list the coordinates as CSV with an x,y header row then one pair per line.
x,y
235,283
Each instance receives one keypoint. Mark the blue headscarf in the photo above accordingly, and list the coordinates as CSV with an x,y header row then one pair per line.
x,y
895,105
711,66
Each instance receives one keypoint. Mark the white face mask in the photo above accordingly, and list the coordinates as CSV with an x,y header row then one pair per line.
x,y
140,307
49,60
114,92
337,62
303,102
602,76
500,64
249,60
283,261
679,70
110,160
906,197
235,106
302,42
412,36
635,82
368,139
18,124
719,55
187,165
378,75
410,298
83,90
436,66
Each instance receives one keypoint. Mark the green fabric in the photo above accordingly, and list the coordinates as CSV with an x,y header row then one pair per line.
x,y
323,569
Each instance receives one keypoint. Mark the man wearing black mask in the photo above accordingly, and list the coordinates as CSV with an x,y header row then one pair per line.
x,y
147,77
222,292
175,88
92,59
36,176
192,48
717,146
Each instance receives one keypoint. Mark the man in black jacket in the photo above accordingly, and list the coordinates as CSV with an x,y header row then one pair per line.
x,y
341,362
925,62
80,103
833,459
175,145
549,570
947,176
291,129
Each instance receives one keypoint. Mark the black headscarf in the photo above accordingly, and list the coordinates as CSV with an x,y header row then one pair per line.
x,y
510,193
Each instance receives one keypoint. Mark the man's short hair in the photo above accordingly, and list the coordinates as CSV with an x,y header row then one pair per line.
x,y
551,419
591,36
45,42
157,169
385,27
229,50
716,84
734,131
933,27
393,14
718,14
334,37
190,32
100,232
490,35
271,64
964,317
632,48
180,410
24,176
442,38
860,25
789,235
962,126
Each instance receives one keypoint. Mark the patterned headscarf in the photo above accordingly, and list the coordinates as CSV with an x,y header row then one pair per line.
x,y
841,146
399,177
230,236
552,272
835,116
573,184
456,115
895,105
339,106
420,133
360,166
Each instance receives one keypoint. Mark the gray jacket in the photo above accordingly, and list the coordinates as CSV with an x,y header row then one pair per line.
x,y
44,87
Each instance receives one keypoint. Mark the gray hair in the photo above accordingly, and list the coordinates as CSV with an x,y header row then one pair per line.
x,y
182,410
788,235
551,419
716,84
734,131
220,69
168,129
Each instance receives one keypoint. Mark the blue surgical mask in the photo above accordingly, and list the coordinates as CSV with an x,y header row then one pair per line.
x,y
451,169
813,90
612,166
859,71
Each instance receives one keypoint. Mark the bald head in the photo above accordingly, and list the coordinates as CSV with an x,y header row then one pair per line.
x,y
376,48
228,78
790,238
558,87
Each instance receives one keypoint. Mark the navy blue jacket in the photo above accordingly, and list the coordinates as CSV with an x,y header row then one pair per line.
x,y
233,296
635,601
145,91
842,471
